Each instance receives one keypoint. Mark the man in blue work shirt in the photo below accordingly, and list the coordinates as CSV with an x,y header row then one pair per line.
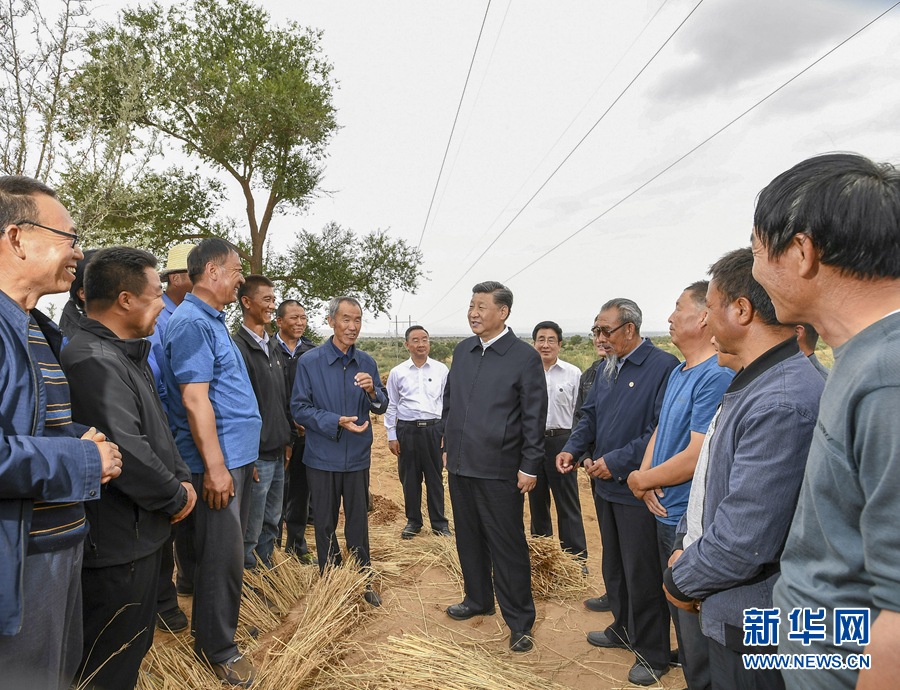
x,y
213,412
664,480
337,386
619,417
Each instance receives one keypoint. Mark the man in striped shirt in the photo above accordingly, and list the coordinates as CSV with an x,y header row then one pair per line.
x,y
46,470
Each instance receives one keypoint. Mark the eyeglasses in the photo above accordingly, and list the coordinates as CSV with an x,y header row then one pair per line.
x,y
74,238
597,331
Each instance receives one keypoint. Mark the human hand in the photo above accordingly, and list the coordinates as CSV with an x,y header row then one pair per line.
x,y
692,606
394,447
288,452
364,381
188,507
110,457
597,469
564,462
653,504
218,487
676,554
526,483
347,423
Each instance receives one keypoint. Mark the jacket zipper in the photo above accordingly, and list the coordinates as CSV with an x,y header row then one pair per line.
x,y
466,416
344,407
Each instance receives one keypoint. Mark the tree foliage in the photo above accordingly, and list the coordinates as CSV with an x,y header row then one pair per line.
x,y
252,102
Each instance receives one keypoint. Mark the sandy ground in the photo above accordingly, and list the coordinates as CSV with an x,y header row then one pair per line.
x,y
415,602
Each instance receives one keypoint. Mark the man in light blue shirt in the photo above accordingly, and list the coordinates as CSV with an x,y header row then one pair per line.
x,y
216,421
664,479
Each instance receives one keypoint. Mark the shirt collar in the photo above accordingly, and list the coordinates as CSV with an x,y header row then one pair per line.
x,y
170,306
486,345
285,345
763,363
412,365
262,341
336,354
215,313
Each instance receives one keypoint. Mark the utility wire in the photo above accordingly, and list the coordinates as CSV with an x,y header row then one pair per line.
x,y
564,132
453,128
702,143
695,148
568,156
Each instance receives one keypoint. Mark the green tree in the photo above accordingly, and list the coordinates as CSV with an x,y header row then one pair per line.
x,y
575,340
252,102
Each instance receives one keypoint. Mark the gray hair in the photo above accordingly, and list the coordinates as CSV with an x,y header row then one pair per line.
x,y
502,295
335,304
629,311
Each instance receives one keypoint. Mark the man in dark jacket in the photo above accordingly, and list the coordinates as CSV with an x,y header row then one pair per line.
x,y
112,385
290,345
337,386
43,462
257,299
619,417
495,411
73,311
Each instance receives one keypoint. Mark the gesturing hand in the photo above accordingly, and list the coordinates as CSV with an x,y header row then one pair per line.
x,y
564,462
348,424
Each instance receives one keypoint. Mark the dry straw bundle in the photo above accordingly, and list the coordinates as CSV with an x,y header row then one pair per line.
x,y
555,574
439,664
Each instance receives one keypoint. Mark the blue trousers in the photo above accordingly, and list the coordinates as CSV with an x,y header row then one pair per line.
x,y
266,498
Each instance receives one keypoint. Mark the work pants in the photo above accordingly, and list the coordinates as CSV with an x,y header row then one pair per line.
x,y
421,458
330,489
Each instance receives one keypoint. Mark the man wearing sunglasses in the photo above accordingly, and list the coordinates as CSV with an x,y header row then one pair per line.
x,y
619,417
48,465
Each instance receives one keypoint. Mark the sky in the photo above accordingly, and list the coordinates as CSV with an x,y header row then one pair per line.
x,y
543,75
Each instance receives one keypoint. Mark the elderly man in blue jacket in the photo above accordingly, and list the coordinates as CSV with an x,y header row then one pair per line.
x,y
336,388
43,461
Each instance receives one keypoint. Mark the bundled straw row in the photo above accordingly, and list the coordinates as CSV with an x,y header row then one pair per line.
x,y
555,574
428,663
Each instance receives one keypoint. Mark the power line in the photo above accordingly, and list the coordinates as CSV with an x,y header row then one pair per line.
x,y
565,131
453,128
694,149
703,143
568,156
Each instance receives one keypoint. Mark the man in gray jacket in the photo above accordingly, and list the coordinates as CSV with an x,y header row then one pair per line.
x,y
748,474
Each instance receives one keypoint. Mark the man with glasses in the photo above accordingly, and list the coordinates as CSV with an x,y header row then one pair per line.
x,y
217,424
48,465
562,389
619,417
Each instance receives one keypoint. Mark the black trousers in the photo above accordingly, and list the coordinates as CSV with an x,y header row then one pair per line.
x,y
420,458
119,607
330,488
296,501
634,581
490,537
728,673
564,488
215,566
166,596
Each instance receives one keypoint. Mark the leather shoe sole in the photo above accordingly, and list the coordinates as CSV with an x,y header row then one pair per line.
x,y
641,674
599,638
597,604
521,641
461,612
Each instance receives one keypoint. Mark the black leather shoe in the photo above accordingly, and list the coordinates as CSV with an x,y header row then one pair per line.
x,y
442,532
599,638
371,596
673,659
410,530
642,674
597,604
461,612
173,620
521,641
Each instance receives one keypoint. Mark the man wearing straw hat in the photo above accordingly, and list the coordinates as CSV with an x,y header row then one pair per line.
x,y
495,412
170,617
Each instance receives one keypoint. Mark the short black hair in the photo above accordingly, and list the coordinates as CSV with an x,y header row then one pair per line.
x,y
849,207
547,324
502,295
212,249
79,278
414,328
282,308
17,199
115,270
733,275
251,284
697,291
810,336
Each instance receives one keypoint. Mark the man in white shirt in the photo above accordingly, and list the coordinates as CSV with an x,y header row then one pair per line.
x,y
563,380
413,422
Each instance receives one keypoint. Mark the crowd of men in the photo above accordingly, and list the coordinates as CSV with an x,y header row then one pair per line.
x,y
738,497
